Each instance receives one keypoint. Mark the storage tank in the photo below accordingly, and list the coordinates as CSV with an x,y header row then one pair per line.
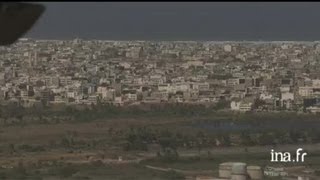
x,y
303,178
255,172
238,177
225,169
207,178
239,171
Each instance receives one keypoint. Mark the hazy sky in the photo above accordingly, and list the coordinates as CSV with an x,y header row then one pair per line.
x,y
180,21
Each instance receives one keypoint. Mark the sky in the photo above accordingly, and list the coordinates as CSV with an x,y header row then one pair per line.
x,y
203,21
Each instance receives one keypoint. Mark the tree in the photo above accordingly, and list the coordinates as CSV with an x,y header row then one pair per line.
x,y
226,140
136,140
12,148
295,136
222,104
173,175
200,141
67,171
266,139
246,139
258,103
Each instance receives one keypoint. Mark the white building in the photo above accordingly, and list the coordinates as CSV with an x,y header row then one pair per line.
x,y
305,91
241,106
284,88
287,96
316,82
264,96
201,86
131,97
227,48
313,109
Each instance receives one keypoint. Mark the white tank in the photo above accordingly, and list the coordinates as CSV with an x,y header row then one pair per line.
x,y
255,172
239,171
303,178
205,178
238,177
239,168
225,169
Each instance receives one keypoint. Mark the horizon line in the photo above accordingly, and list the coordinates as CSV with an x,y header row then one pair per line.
x,y
137,40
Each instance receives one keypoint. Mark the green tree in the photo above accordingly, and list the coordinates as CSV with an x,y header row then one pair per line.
x,y
246,139
266,139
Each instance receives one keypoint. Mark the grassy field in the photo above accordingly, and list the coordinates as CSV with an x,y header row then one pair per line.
x,y
55,150
88,171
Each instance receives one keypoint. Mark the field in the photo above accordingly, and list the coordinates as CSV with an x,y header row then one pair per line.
x,y
149,147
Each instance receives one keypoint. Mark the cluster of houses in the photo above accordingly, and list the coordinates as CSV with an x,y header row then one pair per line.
x,y
260,76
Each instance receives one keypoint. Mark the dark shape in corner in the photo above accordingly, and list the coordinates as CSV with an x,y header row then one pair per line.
x,y
16,19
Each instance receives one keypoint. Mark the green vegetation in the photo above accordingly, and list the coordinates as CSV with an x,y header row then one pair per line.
x,y
90,171
167,133
14,114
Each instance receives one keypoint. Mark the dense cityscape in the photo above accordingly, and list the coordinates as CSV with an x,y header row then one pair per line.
x,y
159,91
259,76
148,104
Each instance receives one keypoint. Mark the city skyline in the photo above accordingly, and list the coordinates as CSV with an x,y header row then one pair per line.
x,y
158,91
